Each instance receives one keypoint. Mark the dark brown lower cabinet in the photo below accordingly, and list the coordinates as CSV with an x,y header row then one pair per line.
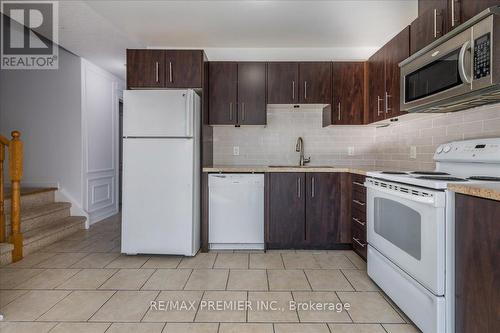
x,y
477,265
304,211
358,214
322,209
287,210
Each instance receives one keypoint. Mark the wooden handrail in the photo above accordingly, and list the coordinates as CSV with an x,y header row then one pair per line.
x,y
15,147
4,141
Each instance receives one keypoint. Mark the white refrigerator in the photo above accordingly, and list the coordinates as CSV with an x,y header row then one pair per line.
x,y
161,172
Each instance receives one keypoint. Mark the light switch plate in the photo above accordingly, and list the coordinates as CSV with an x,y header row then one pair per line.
x,y
236,150
413,152
350,151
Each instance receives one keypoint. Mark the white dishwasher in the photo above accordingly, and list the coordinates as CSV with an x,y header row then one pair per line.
x,y
236,211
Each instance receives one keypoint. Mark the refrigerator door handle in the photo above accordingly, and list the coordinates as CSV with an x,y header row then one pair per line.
x,y
189,113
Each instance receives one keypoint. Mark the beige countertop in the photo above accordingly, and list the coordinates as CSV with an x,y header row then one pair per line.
x,y
362,170
486,191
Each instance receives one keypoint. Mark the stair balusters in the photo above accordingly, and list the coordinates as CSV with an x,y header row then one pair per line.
x,y
15,148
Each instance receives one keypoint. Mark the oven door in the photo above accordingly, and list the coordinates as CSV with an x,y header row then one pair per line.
x,y
407,225
441,73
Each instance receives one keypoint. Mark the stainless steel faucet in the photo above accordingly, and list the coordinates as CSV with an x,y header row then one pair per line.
x,y
299,148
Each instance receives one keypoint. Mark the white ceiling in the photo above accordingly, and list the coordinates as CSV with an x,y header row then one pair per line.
x,y
262,30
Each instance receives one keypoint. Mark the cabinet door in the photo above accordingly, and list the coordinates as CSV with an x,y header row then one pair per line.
x,y
222,89
286,210
348,93
315,82
396,51
376,86
470,8
145,68
252,93
184,68
427,27
323,210
282,82
477,269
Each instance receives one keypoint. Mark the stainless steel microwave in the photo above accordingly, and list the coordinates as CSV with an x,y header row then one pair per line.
x,y
458,71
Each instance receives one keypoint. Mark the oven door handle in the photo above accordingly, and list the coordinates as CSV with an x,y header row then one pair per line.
x,y
461,63
414,198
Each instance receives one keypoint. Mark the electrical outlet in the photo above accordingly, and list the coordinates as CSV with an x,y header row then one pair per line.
x,y
413,152
236,150
350,151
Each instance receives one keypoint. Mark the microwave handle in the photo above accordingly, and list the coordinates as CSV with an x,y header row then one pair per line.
x,y
461,63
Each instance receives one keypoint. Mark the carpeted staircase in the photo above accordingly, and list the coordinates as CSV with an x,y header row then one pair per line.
x,y
43,221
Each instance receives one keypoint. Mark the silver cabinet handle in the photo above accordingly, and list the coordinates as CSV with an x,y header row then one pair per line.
x,y
358,241
293,90
157,71
312,187
230,111
339,109
387,108
243,111
378,105
436,31
356,183
359,202
358,221
298,187
170,70
305,89
452,13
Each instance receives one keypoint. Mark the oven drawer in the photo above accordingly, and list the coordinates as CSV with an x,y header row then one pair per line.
x,y
359,243
358,218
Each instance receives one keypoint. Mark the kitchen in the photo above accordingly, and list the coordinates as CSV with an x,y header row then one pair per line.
x,y
366,182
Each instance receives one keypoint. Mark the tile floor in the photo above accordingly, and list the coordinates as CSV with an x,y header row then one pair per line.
x,y
83,284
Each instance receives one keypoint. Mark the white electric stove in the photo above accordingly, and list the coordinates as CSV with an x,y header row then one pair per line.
x,y
410,227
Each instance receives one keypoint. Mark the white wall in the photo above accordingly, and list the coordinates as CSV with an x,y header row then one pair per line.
x,y
100,96
45,105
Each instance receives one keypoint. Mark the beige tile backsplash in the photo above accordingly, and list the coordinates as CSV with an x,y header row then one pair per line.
x,y
387,147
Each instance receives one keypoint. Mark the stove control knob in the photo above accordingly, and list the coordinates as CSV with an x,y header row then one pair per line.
x,y
439,150
447,149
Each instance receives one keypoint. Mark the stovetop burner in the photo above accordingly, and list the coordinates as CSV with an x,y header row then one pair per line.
x,y
394,172
435,173
448,179
485,178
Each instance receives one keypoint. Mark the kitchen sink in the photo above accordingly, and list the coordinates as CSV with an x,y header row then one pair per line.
x,y
303,167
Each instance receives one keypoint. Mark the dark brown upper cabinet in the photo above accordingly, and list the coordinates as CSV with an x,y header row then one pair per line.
x,y
384,77
428,26
315,82
145,68
164,68
252,93
237,93
184,68
222,93
287,210
469,8
348,94
397,50
437,17
283,83
376,86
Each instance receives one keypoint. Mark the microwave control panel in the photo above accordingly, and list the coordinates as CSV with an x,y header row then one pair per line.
x,y
482,54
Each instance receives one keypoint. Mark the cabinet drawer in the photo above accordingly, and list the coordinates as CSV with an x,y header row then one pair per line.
x,y
357,178
359,241
359,201
358,218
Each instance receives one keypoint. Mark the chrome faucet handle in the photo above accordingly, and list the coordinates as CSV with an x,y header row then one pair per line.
x,y
307,160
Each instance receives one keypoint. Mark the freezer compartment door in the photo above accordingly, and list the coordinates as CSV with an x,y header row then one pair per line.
x,y
158,196
158,113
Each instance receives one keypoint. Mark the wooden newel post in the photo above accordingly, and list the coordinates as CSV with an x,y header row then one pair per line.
x,y
16,174
2,195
